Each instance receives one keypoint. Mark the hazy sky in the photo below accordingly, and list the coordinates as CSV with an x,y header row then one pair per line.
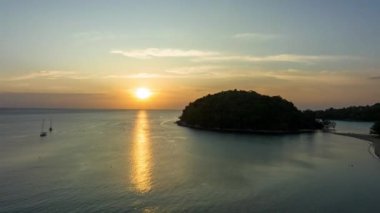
x,y
93,54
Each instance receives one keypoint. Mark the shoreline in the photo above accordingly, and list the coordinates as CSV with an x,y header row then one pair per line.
x,y
247,131
365,137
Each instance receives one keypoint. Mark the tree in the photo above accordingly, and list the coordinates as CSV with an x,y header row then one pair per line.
x,y
354,113
375,129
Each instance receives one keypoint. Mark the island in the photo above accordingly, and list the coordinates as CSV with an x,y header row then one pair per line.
x,y
247,111
369,113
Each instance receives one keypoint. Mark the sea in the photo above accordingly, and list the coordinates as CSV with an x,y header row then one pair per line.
x,y
141,161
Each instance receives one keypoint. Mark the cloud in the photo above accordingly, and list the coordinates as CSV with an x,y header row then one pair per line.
x,y
215,56
141,76
161,53
180,72
137,75
212,56
274,58
193,70
254,36
49,74
374,78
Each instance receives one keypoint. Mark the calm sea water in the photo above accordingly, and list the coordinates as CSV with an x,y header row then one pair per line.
x,y
353,127
140,161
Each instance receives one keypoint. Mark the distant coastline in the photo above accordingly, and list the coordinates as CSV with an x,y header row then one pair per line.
x,y
59,110
351,113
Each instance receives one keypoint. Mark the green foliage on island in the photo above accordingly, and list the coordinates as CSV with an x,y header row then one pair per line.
x,y
354,113
375,129
246,111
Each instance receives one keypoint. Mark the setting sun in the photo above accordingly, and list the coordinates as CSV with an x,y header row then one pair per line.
x,y
143,93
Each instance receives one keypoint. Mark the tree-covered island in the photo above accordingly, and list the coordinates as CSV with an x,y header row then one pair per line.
x,y
247,111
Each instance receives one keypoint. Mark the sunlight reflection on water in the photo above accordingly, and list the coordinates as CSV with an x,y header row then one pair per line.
x,y
141,155
141,161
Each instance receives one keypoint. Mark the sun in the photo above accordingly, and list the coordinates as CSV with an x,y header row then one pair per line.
x,y
143,93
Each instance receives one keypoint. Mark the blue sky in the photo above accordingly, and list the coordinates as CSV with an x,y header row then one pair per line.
x,y
109,47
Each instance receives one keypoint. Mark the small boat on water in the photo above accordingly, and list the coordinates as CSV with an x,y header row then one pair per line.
x,y
51,126
42,134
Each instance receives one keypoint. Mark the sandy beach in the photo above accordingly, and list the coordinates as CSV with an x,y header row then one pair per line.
x,y
365,137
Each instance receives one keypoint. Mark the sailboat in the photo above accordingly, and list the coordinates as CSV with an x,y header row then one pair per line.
x,y
51,126
42,134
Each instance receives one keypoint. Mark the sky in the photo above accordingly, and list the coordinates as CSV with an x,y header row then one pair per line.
x,y
94,54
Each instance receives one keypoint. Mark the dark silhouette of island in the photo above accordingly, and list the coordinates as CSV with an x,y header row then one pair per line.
x,y
247,111
352,113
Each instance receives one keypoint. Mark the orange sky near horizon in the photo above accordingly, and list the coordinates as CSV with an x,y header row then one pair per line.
x,y
77,54
315,92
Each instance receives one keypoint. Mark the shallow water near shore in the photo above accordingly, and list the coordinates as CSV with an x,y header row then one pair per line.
x,y
353,127
112,161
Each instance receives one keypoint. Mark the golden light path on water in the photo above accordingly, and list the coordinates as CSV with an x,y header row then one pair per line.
x,y
141,155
